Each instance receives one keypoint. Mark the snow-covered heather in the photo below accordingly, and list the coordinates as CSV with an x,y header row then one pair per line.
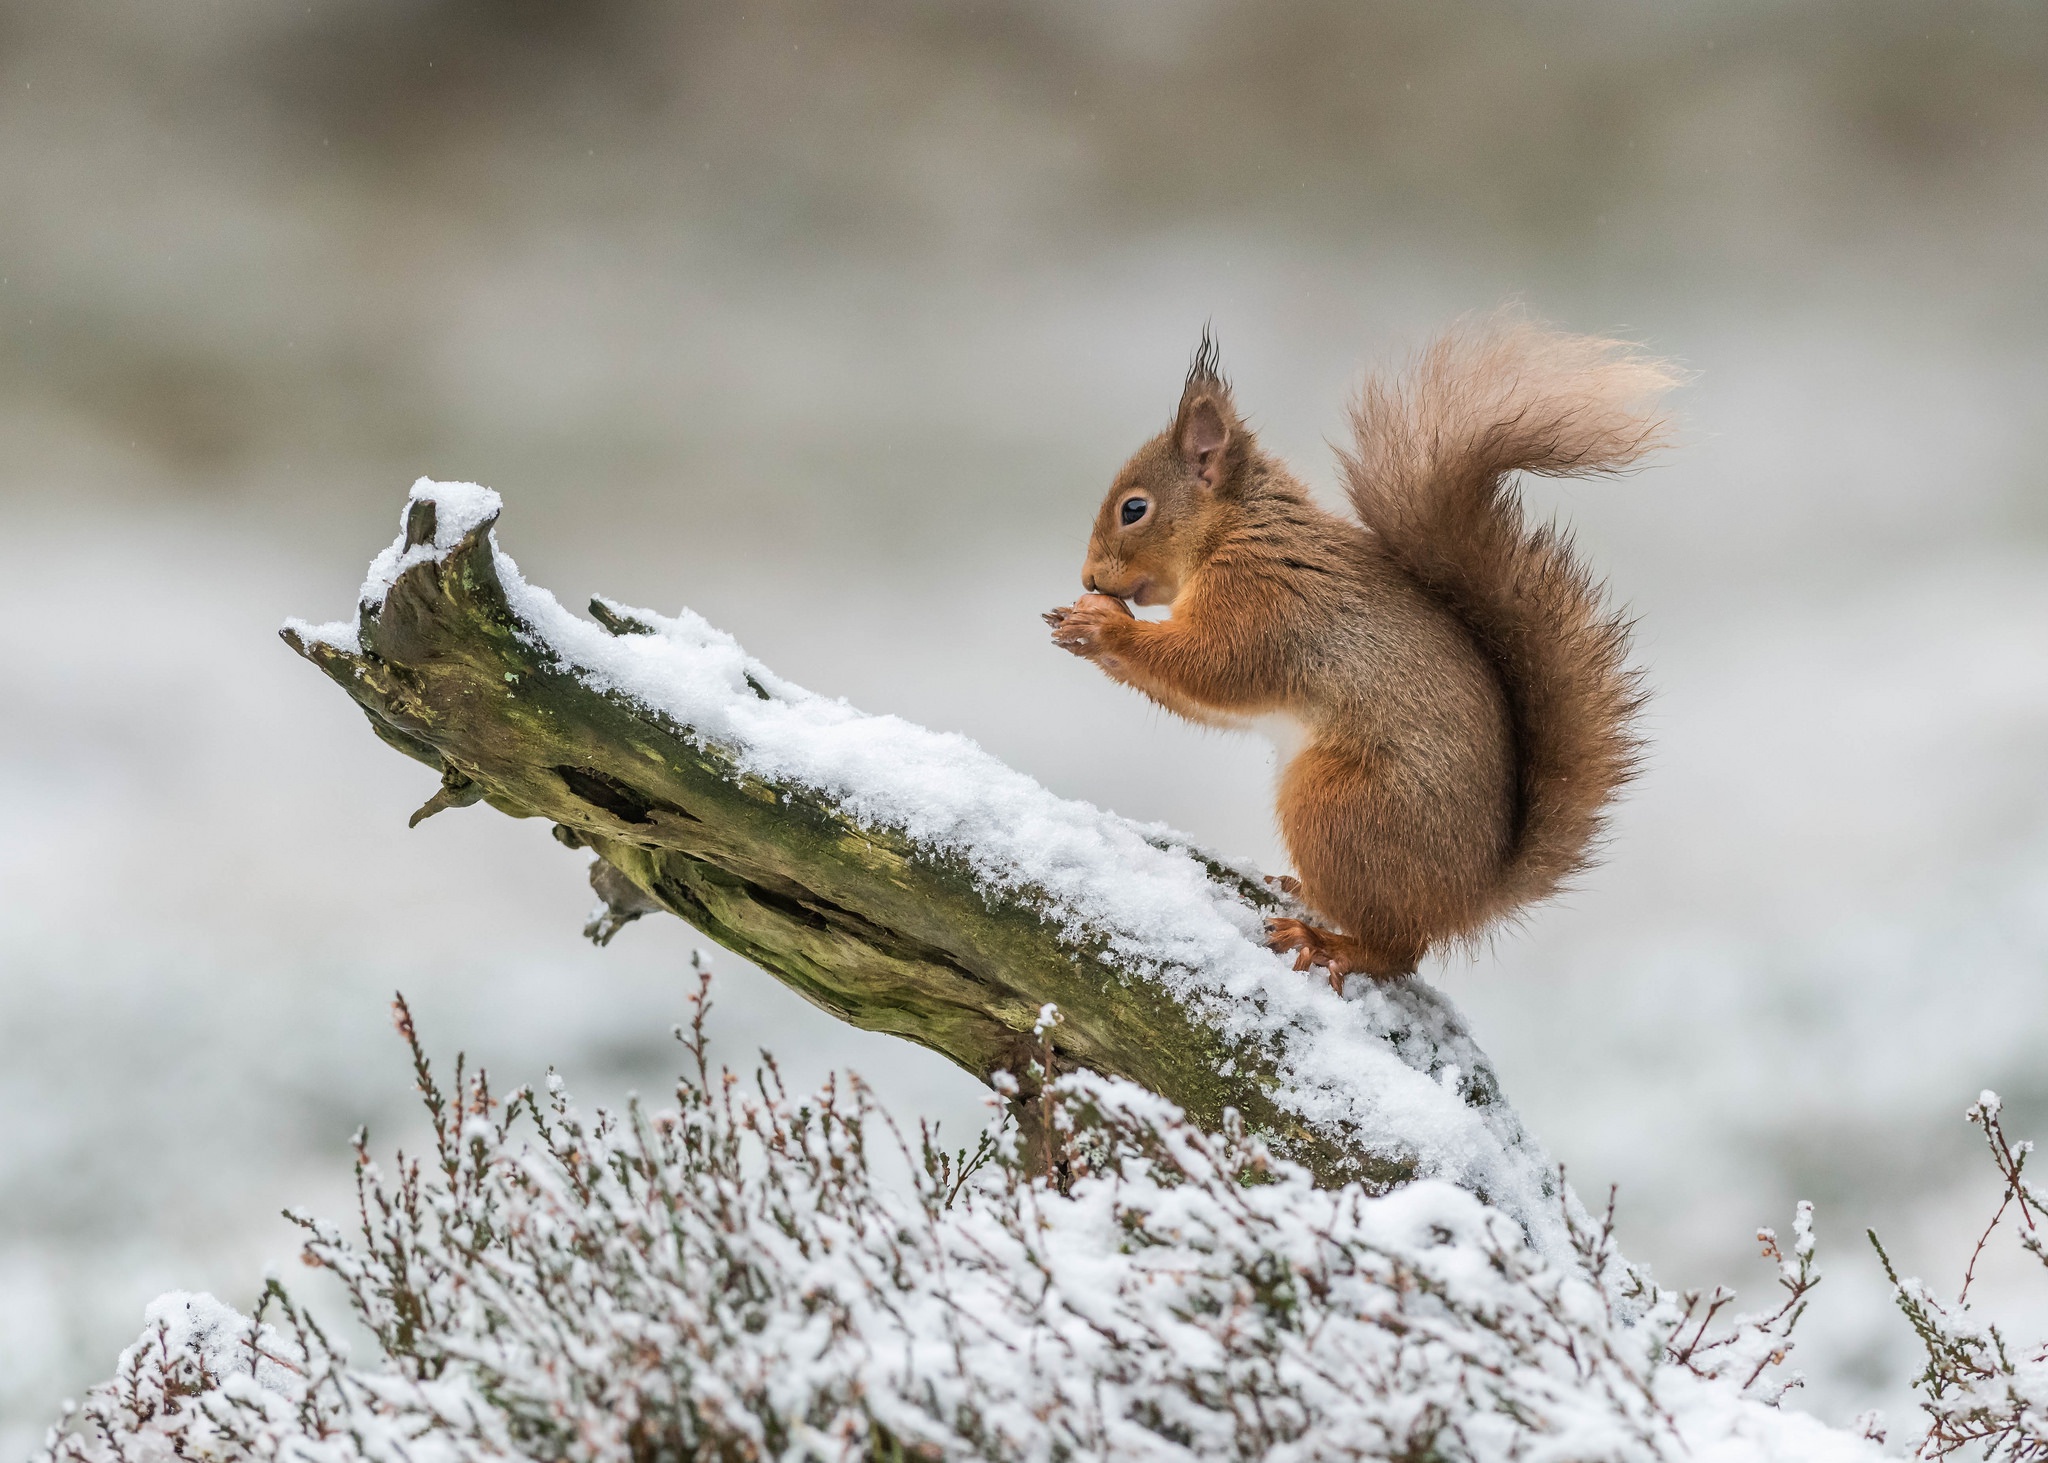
x,y
1984,1388
1390,1065
726,1279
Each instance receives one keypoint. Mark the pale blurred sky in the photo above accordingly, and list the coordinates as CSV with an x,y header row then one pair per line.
x,y
830,322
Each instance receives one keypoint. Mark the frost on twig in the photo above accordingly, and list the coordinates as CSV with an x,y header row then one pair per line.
x,y
1750,1348
903,879
726,1278
1979,1389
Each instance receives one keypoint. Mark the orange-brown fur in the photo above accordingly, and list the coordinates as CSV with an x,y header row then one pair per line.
x,y
1462,693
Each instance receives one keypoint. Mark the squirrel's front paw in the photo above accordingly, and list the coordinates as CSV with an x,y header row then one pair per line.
x,y
1069,630
1080,626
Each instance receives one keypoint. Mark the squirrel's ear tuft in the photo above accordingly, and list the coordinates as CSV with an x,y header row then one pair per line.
x,y
1205,371
1205,428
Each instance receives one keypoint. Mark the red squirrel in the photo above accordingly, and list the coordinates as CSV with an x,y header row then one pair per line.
x,y
1460,696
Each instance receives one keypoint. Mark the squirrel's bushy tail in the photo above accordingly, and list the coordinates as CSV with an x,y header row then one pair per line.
x,y
1431,473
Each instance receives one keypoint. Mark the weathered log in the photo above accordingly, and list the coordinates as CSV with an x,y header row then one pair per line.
x,y
458,663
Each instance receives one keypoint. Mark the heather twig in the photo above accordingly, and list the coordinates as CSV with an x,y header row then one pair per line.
x,y
1976,1389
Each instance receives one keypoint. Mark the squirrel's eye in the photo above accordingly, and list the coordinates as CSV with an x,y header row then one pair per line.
x,y
1133,510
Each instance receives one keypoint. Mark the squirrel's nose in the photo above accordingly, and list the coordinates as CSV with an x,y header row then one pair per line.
x,y
1088,583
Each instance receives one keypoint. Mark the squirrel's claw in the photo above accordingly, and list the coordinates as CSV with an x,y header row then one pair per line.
x,y
1338,955
1071,629
1283,935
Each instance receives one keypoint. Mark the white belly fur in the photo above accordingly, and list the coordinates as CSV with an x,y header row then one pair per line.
x,y
1287,732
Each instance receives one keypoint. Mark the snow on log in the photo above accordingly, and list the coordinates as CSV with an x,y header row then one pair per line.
x,y
901,878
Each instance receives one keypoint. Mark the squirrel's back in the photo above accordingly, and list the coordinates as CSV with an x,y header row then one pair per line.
x,y
1431,475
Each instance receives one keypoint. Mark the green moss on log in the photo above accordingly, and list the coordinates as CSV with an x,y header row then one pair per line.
x,y
880,932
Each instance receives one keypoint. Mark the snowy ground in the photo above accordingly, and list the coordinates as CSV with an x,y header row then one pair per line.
x,y
1821,932
734,325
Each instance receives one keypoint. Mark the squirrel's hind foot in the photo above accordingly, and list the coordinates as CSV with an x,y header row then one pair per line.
x,y
1338,955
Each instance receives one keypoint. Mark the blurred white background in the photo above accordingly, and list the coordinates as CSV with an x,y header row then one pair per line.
x,y
831,323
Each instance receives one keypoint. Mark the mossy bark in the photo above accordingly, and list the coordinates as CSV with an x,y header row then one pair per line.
x,y
865,923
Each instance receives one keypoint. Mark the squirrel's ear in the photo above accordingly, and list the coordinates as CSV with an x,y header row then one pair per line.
x,y
1203,436
1206,429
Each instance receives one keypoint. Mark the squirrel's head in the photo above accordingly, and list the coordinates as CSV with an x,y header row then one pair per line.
x,y
1157,523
